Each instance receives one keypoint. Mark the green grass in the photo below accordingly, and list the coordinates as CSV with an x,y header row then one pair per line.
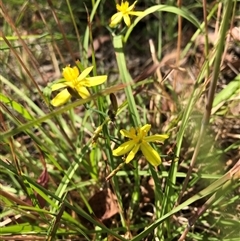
x,y
59,179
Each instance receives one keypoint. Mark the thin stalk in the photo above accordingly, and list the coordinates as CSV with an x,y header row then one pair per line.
x,y
206,49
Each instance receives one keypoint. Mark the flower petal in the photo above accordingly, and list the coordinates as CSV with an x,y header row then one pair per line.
x,y
151,155
129,134
125,5
70,84
58,86
146,128
61,98
132,6
124,148
70,74
136,13
157,137
85,73
82,91
132,153
93,81
126,19
118,7
115,19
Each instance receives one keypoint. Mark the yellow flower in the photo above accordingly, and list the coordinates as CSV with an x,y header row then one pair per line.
x,y
75,84
124,10
140,141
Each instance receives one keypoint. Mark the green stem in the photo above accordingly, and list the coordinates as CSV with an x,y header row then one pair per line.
x,y
126,79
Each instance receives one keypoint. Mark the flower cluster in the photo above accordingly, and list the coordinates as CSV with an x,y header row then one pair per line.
x,y
140,141
76,83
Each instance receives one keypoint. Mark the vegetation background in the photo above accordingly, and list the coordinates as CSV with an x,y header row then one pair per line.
x,y
177,68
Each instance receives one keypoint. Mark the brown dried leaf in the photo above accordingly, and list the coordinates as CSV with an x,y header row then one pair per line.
x,y
235,108
235,32
97,44
147,191
104,204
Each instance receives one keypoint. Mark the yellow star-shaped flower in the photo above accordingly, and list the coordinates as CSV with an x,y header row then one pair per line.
x,y
124,10
140,141
75,83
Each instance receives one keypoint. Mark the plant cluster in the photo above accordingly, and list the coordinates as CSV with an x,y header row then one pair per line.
x,y
90,152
